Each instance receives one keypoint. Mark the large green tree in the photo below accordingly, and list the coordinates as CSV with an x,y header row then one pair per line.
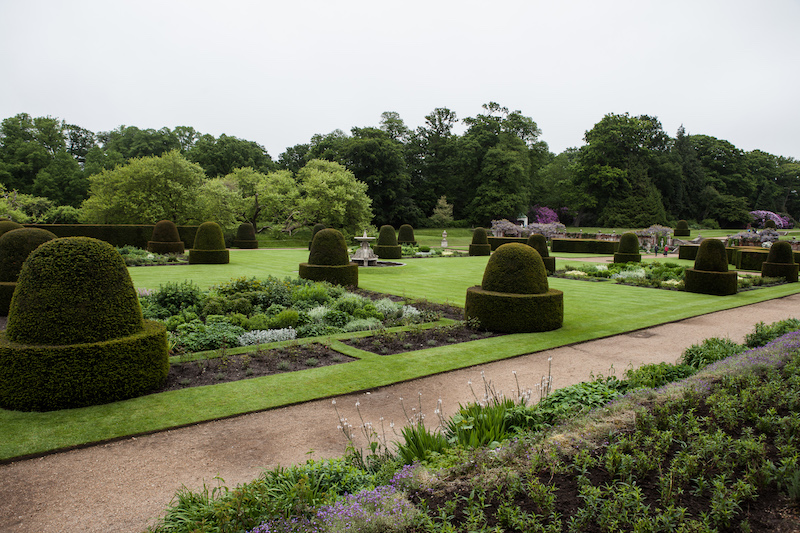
x,y
144,191
331,195
221,156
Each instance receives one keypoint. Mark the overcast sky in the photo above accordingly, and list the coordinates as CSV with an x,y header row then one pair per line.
x,y
279,72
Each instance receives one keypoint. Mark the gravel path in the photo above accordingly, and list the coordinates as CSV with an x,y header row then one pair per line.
x,y
124,486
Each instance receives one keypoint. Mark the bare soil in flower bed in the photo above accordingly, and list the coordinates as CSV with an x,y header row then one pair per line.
x,y
385,343
254,364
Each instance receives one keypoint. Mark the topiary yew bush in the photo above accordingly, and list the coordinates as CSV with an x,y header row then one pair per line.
x,y
15,247
75,334
317,228
387,247
514,296
682,229
769,223
480,243
628,251
8,225
405,235
165,239
329,261
710,274
209,246
246,237
779,264
539,243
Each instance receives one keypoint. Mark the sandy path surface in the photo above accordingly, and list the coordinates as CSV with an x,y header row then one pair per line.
x,y
124,486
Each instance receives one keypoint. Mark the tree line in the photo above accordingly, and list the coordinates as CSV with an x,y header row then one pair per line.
x,y
629,173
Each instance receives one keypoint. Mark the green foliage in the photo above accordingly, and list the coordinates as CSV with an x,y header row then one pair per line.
x,y
405,234
539,243
477,425
628,243
15,246
8,225
657,375
332,196
764,333
682,229
196,336
387,236
517,269
420,443
209,237
515,313
246,236
711,256
328,248
479,236
710,351
73,290
165,239
781,252
144,190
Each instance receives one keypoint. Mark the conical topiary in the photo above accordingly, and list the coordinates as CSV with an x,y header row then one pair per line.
x,y
75,333
710,274
480,243
538,242
15,247
628,251
246,236
209,245
405,235
682,229
329,261
779,264
387,247
515,296
165,239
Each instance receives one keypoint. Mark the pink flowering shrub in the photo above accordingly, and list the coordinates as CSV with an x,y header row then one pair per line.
x,y
760,217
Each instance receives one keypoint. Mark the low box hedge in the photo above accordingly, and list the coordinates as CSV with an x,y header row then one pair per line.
x,y
584,246
496,242
119,235
344,275
515,313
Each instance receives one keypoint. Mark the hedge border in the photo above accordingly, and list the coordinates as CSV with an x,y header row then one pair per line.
x,y
714,283
515,313
345,275
209,257
118,235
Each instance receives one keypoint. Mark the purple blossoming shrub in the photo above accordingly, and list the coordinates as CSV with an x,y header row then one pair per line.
x,y
781,221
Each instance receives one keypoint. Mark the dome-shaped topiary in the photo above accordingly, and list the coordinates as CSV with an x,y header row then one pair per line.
x,y
682,229
515,296
15,247
246,236
711,256
317,228
386,247
779,264
405,235
480,243
538,242
8,225
769,223
209,245
73,290
710,274
515,268
165,239
329,261
628,251
328,248
75,334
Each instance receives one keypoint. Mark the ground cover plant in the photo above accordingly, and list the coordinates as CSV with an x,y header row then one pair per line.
x,y
592,310
708,446
134,256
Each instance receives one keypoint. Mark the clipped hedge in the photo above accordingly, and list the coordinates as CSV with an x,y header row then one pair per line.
x,y
345,275
317,228
584,246
165,239
246,237
710,274
515,268
15,247
538,242
405,235
628,250
46,378
328,260
8,225
497,242
119,235
688,251
749,258
682,229
480,244
386,246
779,264
209,246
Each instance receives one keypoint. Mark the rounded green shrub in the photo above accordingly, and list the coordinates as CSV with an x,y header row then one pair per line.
x,y
165,239
480,243
628,251
209,245
539,243
316,229
779,264
711,256
386,246
8,225
770,224
75,333
405,235
16,245
710,273
329,261
514,296
682,229
246,236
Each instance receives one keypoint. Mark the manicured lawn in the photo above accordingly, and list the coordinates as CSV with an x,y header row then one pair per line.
x,y
592,310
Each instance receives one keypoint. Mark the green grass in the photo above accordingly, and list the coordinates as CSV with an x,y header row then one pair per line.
x,y
592,310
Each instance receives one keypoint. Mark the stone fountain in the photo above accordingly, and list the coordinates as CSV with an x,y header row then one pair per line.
x,y
364,256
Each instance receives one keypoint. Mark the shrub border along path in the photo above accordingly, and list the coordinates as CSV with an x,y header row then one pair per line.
x,y
592,311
